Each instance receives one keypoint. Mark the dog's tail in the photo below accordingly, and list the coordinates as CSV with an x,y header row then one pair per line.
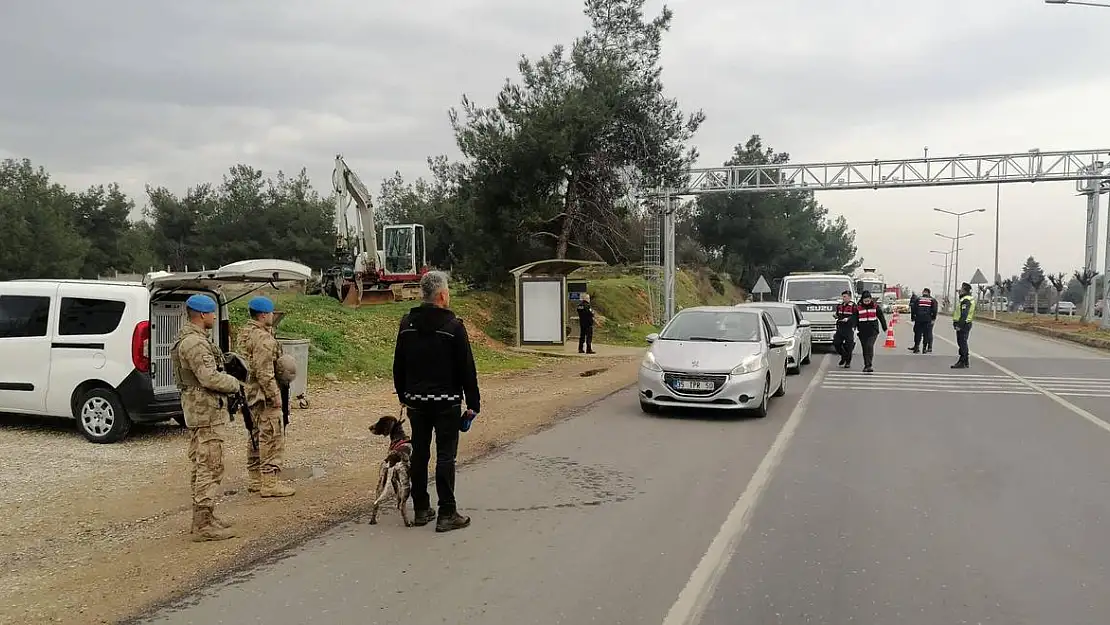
x,y
386,482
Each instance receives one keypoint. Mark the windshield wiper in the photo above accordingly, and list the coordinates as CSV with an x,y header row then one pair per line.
x,y
707,338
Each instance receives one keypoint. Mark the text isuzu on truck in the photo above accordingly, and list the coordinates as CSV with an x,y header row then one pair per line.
x,y
816,294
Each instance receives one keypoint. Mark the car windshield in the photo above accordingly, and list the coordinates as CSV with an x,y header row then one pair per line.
x,y
712,325
783,317
803,290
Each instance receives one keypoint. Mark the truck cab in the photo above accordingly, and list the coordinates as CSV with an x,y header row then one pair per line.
x,y
816,295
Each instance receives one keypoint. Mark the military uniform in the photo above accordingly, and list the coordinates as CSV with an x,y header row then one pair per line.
x,y
924,314
843,341
258,346
962,316
197,364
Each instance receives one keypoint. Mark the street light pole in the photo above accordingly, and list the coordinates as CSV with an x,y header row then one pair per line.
x,y
1085,4
955,241
946,265
997,276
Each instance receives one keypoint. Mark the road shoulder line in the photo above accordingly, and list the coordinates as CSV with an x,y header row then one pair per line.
x,y
1040,389
695,596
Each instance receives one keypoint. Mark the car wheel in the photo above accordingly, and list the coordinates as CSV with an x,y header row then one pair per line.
x,y
101,417
648,408
782,387
760,411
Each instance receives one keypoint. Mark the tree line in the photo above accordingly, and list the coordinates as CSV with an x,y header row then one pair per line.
x,y
555,168
1035,288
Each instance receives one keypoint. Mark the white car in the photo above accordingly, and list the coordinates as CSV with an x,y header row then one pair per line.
x,y
100,351
799,336
714,357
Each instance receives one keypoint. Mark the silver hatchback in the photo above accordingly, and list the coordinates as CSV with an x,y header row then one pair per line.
x,y
796,330
714,357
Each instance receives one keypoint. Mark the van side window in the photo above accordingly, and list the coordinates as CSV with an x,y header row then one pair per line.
x,y
23,316
89,316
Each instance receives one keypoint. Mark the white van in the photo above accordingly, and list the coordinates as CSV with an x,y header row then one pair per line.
x,y
100,351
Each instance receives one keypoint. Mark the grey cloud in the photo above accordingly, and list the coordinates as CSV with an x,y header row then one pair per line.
x,y
183,90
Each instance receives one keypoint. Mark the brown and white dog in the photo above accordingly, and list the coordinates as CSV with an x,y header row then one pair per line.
x,y
393,473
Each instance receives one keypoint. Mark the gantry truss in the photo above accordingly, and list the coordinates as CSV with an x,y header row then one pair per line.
x,y
1030,166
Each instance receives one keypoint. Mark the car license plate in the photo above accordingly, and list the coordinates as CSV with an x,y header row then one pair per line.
x,y
823,336
693,385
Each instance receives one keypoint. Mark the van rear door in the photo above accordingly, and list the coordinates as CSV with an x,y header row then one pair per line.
x,y
168,292
27,314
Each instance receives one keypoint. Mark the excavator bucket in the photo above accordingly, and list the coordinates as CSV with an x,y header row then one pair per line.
x,y
355,297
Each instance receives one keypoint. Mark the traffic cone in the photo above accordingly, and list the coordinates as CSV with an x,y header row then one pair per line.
x,y
889,337
894,319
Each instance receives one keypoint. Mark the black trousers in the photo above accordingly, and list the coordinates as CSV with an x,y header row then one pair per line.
x,y
444,423
923,333
867,346
962,332
926,334
586,338
844,343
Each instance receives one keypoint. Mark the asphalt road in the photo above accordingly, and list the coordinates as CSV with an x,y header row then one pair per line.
x,y
915,495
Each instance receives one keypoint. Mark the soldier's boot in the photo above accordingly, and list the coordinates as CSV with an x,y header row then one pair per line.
x,y
220,522
254,481
204,529
271,487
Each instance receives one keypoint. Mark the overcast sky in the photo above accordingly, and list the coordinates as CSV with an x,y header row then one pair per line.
x,y
173,93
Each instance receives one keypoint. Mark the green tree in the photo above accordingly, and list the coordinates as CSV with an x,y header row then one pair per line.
x,y
103,217
547,167
747,234
38,236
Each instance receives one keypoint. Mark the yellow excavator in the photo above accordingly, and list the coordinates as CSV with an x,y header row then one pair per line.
x,y
363,274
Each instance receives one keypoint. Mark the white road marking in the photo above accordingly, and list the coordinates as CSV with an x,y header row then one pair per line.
x,y
699,589
1040,389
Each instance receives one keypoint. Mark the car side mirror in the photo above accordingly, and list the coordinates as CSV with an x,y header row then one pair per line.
x,y
804,323
651,338
777,341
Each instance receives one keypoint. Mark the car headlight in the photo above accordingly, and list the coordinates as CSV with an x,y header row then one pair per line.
x,y
649,363
751,364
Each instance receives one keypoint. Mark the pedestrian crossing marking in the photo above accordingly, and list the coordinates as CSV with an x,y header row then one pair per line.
x,y
984,384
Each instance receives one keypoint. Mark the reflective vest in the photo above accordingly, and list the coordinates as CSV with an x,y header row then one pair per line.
x,y
868,313
970,309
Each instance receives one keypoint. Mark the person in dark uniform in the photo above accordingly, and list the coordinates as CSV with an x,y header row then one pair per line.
x,y
585,326
924,315
845,324
869,318
962,316
913,320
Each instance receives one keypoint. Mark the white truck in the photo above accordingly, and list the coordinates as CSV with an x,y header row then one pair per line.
x,y
816,294
869,279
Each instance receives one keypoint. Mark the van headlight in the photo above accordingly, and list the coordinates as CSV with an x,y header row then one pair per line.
x,y
751,364
649,363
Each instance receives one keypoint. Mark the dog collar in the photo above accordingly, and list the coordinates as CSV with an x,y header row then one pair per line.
x,y
399,444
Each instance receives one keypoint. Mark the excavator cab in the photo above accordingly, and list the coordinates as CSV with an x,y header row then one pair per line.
x,y
404,251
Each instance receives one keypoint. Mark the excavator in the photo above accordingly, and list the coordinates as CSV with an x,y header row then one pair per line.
x,y
362,273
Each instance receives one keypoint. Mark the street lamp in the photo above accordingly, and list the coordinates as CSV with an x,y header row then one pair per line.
x,y
955,273
946,265
1086,4
958,216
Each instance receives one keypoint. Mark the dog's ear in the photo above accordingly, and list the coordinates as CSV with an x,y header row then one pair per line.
x,y
401,422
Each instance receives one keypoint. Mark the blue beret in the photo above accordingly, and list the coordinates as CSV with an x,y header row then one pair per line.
x,y
261,305
201,303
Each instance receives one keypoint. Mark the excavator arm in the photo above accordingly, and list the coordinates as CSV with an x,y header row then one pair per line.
x,y
348,187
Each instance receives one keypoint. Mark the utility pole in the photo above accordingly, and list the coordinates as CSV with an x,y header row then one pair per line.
x,y
669,204
997,276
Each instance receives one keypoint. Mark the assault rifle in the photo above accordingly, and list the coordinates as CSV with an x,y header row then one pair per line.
x,y
237,402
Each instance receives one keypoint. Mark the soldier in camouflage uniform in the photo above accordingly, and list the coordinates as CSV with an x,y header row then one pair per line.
x,y
256,343
197,369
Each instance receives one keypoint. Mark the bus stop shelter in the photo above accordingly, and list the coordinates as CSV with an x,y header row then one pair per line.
x,y
542,300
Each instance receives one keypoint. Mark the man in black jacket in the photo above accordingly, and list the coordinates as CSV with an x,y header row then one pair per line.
x,y
433,371
585,326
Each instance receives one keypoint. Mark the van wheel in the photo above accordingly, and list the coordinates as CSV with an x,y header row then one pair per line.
x,y
101,418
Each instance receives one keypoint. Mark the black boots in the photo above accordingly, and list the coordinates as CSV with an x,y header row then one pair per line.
x,y
452,521
421,518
